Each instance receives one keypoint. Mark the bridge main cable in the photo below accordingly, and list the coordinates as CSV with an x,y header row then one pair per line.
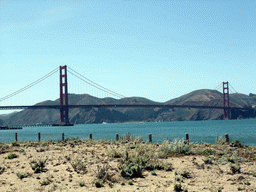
x,y
29,86
86,80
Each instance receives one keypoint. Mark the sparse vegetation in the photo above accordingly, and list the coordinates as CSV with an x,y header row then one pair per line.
x,y
81,183
79,165
235,168
38,165
12,156
3,147
123,162
22,175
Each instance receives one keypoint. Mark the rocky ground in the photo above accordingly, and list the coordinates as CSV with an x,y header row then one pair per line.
x,y
127,165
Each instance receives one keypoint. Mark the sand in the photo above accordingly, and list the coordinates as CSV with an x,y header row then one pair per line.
x,y
74,165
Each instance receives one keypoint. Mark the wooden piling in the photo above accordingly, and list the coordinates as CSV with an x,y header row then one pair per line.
x,y
90,136
39,137
187,137
227,138
63,137
16,136
117,137
150,138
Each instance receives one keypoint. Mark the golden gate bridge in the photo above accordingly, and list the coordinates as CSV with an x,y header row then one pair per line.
x,y
64,105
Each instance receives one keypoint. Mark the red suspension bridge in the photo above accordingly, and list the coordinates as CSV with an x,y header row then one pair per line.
x,y
64,105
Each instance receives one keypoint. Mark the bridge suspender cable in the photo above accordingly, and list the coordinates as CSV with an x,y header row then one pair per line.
x,y
30,85
86,80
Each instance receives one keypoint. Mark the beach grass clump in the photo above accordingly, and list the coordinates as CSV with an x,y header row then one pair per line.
x,y
81,183
177,187
38,165
220,140
79,165
179,178
130,182
98,183
235,168
3,147
2,169
103,175
184,173
12,156
46,181
15,144
177,147
130,138
208,160
22,175
113,153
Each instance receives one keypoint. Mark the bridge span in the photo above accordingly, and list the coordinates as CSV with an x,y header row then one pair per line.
x,y
119,106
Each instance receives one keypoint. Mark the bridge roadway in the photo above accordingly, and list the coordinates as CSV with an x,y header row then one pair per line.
x,y
117,106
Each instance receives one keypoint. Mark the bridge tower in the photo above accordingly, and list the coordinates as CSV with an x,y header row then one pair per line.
x,y
226,114
64,120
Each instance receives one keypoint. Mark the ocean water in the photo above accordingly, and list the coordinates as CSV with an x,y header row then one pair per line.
x,y
199,131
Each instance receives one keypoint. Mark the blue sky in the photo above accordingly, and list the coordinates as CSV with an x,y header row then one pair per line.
x,y
158,49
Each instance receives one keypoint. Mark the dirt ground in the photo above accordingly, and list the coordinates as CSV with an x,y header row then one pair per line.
x,y
88,165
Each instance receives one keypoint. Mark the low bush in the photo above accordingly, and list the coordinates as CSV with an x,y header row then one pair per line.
x,y
176,147
207,152
12,156
38,165
131,170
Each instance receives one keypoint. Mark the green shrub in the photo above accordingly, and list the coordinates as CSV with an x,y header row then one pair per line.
x,y
131,170
207,152
12,156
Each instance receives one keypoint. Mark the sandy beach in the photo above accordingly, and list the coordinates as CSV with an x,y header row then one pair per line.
x,y
129,164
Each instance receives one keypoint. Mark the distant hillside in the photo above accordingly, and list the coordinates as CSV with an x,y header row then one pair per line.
x,y
98,115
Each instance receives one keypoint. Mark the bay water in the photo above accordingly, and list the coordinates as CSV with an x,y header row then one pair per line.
x,y
199,131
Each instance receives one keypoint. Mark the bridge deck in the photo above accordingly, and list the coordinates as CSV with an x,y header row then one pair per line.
x,y
117,106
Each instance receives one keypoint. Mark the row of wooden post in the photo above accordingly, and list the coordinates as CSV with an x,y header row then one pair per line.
x,y
117,137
